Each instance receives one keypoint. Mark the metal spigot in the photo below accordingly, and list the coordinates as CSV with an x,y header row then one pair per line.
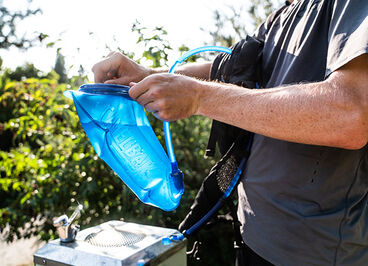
x,y
66,229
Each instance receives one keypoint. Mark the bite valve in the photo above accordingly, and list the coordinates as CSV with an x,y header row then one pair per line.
x,y
67,231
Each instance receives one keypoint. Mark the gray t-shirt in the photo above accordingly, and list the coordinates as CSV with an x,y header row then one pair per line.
x,y
304,204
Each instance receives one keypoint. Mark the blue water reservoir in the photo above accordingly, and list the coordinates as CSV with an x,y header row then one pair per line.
x,y
122,136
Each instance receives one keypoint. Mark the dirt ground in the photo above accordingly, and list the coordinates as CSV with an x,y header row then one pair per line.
x,y
19,252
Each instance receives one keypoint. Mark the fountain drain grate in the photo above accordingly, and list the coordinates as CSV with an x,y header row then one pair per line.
x,y
114,238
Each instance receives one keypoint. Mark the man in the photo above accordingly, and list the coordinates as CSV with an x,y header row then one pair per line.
x,y
303,199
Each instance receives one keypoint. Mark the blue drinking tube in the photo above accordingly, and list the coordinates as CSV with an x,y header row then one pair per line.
x,y
169,146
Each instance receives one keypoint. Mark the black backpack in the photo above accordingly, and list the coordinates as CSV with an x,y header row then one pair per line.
x,y
242,68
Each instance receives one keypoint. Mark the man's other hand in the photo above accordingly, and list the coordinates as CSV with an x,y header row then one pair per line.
x,y
116,68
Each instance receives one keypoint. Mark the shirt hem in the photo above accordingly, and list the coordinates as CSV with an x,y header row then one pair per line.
x,y
345,61
259,252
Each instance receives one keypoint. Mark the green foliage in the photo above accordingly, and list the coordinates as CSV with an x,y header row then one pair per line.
x,y
260,9
24,72
81,78
28,70
8,34
183,48
156,47
47,163
228,27
230,23
59,68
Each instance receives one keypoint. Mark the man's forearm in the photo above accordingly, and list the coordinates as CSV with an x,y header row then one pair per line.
x,y
194,70
333,112
315,113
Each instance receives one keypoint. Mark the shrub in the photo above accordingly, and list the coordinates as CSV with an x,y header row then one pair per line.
x,y
48,163
48,166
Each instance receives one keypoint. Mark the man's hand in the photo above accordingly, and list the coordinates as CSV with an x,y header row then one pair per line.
x,y
116,68
169,97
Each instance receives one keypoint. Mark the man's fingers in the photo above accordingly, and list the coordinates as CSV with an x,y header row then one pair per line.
x,y
120,81
105,69
140,88
152,107
100,71
112,81
98,75
98,78
145,99
112,52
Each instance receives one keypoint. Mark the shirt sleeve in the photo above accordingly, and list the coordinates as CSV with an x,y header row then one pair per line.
x,y
348,33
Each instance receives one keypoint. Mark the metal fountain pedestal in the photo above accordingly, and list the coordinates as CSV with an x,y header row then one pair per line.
x,y
115,243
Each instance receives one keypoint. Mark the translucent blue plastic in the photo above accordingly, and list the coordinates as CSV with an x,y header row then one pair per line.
x,y
122,136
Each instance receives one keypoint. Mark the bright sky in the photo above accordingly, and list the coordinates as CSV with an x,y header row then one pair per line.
x,y
110,21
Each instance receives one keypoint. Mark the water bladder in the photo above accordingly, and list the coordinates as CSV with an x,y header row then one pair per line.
x,y
122,136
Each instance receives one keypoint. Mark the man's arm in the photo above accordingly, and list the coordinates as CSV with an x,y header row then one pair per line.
x,y
333,112
194,70
117,68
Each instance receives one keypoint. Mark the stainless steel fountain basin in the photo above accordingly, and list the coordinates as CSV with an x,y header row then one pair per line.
x,y
115,243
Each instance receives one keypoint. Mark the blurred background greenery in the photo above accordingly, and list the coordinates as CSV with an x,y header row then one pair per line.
x,y
47,165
